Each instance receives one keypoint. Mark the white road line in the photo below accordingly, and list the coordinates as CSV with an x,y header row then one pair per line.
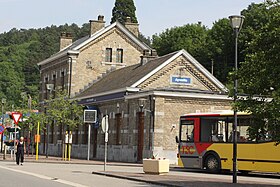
x,y
45,177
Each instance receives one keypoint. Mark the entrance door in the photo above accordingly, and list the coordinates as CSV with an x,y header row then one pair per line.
x,y
140,119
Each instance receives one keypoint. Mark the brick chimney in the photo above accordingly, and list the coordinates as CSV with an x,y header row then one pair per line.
x,y
132,27
65,40
148,55
96,25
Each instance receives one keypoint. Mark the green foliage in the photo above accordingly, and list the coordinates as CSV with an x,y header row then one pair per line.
x,y
260,73
191,37
122,10
20,51
220,48
64,111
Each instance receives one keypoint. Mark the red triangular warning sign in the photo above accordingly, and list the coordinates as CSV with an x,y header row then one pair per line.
x,y
16,116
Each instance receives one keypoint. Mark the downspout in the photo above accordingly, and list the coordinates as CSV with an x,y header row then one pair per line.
x,y
70,77
152,123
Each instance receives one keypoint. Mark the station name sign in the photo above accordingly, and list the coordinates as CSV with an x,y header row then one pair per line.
x,y
181,80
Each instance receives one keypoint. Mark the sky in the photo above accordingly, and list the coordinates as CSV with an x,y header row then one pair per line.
x,y
154,16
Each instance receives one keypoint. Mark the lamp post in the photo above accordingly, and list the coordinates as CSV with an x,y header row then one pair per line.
x,y
50,88
236,22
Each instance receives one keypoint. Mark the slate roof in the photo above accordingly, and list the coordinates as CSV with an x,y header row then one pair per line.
x,y
134,75
78,44
124,77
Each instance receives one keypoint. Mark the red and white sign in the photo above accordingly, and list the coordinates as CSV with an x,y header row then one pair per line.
x,y
16,117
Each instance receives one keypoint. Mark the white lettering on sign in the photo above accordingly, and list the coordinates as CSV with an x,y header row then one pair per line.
x,y
180,80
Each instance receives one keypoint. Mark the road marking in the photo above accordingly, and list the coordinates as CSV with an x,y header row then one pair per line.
x,y
46,177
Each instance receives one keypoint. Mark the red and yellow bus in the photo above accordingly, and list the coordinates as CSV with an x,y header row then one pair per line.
x,y
205,142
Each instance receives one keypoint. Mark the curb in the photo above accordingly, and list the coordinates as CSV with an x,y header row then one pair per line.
x,y
133,179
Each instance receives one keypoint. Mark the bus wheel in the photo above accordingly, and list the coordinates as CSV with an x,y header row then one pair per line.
x,y
212,164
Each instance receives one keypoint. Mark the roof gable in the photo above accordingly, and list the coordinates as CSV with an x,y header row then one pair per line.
x,y
133,76
192,60
82,42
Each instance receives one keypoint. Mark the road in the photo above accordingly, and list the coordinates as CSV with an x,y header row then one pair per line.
x,y
79,173
59,175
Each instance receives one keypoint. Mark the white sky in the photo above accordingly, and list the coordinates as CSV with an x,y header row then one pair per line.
x,y
154,16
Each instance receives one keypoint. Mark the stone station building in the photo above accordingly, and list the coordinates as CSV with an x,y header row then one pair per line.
x,y
144,95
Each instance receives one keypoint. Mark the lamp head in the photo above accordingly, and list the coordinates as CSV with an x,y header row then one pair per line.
x,y
236,22
50,87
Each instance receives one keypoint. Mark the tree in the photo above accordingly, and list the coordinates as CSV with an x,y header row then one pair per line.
x,y
122,10
191,37
260,73
64,111
220,48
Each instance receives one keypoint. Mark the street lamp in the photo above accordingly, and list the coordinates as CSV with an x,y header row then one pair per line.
x,y
236,24
50,88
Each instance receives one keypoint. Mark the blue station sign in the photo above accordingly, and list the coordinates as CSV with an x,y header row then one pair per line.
x,y
182,80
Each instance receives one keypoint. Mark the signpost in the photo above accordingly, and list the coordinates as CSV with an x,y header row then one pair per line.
x,y
2,128
16,117
90,116
105,128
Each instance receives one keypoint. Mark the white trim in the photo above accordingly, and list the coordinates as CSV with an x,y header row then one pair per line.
x,y
179,94
156,70
204,70
128,89
192,60
76,51
105,29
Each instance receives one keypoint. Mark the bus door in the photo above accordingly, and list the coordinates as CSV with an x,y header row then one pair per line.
x,y
189,134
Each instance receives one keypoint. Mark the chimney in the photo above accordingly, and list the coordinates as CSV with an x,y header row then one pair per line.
x,y
132,27
96,25
148,55
65,40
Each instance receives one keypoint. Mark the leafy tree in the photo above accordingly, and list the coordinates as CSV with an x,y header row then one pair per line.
x,y
122,10
220,48
260,73
64,111
191,37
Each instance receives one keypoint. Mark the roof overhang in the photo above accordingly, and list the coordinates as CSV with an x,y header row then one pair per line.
x,y
58,55
180,94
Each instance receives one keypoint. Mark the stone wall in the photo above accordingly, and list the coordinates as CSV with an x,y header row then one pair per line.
x,y
94,53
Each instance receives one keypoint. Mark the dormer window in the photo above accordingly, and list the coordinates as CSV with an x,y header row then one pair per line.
x,y
108,55
119,56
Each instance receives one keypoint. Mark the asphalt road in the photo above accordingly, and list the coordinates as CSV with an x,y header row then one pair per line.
x,y
60,175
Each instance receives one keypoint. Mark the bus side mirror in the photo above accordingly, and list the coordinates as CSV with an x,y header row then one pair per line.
x,y
177,139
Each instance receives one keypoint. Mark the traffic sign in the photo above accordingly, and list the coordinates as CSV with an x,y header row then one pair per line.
x,y
90,116
105,123
16,117
2,128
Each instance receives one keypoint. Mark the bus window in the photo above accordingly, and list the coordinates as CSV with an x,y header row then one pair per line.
x,y
242,129
187,131
213,129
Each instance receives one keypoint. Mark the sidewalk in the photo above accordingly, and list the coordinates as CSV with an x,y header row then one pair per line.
x,y
176,177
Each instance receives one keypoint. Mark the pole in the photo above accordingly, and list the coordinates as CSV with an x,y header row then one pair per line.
x,y
69,151
15,138
234,161
2,135
89,129
106,142
37,141
105,157
47,147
